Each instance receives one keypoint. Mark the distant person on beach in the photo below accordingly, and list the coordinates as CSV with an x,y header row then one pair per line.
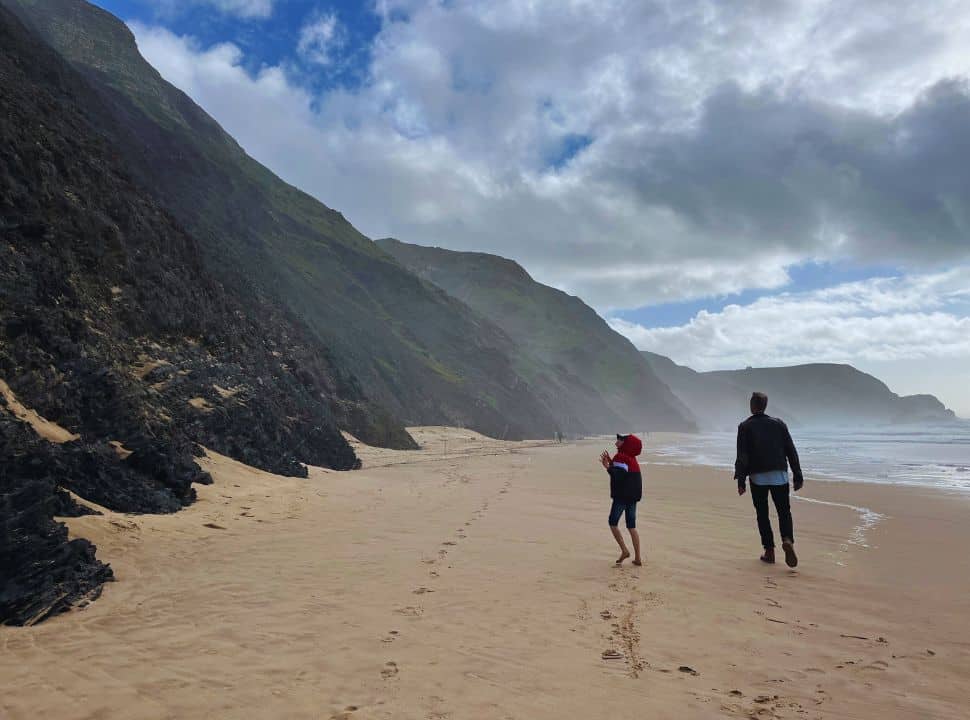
x,y
765,450
626,489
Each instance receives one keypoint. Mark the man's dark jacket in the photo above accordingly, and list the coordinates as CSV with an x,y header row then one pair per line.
x,y
764,444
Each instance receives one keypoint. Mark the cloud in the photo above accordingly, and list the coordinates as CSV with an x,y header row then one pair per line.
x,y
721,143
876,321
319,37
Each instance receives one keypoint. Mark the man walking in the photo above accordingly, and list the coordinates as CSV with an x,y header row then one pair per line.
x,y
765,450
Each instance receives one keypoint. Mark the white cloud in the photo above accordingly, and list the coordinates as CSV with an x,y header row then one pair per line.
x,y
728,141
877,321
912,332
319,37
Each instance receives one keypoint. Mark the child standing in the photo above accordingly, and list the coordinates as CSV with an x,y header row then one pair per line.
x,y
626,489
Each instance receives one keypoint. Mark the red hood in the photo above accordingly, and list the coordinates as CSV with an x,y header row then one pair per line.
x,y
628,451
631,446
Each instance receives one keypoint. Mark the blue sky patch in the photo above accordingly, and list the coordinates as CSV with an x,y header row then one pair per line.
x,y
568,147
273,40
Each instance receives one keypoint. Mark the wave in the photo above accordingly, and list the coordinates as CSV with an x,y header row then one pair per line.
x,y
918,458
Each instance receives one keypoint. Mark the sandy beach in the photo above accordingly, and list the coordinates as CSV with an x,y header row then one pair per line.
x,y
475,579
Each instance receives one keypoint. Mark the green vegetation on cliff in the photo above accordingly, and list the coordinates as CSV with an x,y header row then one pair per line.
x,y
407,346
594,379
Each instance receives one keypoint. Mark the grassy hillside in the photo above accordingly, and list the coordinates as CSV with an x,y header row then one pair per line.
x,y
816,394
716,403
592,377
829,394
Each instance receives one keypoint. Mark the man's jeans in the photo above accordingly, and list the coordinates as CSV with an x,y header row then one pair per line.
x,y
779,493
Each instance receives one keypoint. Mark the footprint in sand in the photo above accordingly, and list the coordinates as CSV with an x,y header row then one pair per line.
x,y
449,542
422,591
391,636
345,714
410,611
390,670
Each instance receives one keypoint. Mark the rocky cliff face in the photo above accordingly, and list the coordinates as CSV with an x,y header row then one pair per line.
x,y
112,327
803,395
411,349
717,403
592,378
830,395
921,408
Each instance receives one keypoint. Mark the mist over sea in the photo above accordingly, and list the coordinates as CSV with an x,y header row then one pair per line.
x,y
928,456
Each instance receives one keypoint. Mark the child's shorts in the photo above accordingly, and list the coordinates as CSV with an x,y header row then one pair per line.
x,y
622,507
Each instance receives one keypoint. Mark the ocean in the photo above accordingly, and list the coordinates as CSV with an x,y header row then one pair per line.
x,y
923,456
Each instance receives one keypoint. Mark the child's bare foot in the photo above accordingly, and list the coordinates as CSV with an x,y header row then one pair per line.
x,y
637,562
623,556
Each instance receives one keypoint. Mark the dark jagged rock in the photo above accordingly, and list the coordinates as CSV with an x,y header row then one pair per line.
x,y
111,326
404,344
42,571
67,506
113,285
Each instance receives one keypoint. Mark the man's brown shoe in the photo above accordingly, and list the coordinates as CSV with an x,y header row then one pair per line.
x,y
791,559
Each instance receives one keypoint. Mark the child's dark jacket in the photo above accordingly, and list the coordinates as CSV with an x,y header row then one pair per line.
x,y
626,482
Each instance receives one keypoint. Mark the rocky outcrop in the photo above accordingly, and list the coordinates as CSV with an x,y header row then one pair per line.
x,y
399,342
115,332
42,572
817,394
717,403
827,395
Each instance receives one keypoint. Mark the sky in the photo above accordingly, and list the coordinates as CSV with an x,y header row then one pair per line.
x,y
759,182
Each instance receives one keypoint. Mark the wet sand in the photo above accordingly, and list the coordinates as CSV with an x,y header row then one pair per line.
x,y
475,579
